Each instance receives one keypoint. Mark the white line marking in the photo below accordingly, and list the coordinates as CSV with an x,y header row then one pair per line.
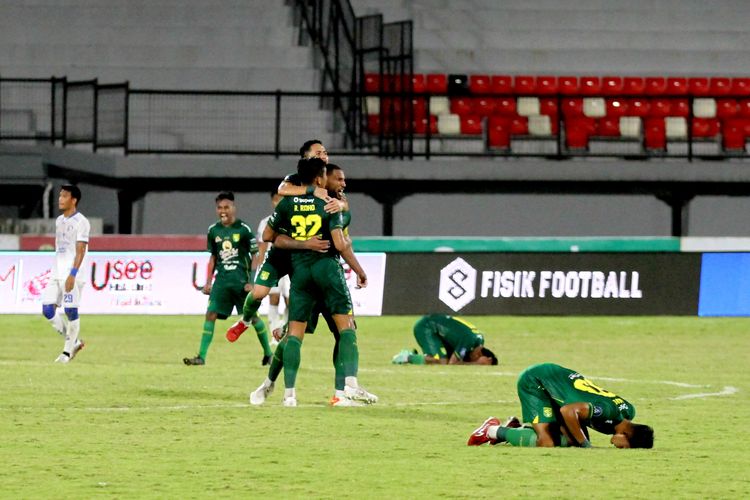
x,y
664,382
728,390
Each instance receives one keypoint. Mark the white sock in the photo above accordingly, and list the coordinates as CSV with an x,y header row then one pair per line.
x,y
246,323
71,336
492,431
290,393
58,321
340,393
273,315
351,381
267,382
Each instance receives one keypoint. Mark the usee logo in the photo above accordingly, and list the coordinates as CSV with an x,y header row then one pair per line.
x,y
458,284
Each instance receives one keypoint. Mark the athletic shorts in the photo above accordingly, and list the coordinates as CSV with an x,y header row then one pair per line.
x,y
323,278
537,406
429,340
282,288
225,296
55,293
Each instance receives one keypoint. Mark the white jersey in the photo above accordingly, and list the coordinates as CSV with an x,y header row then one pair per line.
x,y
69,231
262,227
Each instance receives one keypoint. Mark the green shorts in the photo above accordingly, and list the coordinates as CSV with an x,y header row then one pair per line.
x,y
429,340
322,278
537,406
226,295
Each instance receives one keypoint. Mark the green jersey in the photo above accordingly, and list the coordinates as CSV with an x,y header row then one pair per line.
x,y
303,218
233,247
458,336
565,386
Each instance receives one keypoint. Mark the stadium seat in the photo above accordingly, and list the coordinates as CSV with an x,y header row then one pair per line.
x,y
437,83
439,105
519,125
633,85
612,85
548,106
524,85
501,84
744,108
418,107
660,107
479,84
498,132
458,84
608,127
449,124
675,127
572,107
726,108
540,125
594,107
677,86
505,106
546,85
568,85
418,83
733,138
591,85
704,107
373,124
471,125
372,83
578,131
740,87
372,105
655,85
705,127
679,107
420,125
654,134
528,106
461,105
617,106
720,86
483,106
630,126
698,86
639,106
392,83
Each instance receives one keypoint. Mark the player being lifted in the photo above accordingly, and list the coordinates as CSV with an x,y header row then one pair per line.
x,y
560,404
64,289
296,221
232,245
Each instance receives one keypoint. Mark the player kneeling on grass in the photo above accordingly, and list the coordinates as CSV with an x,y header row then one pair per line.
x,y
561,404
447,340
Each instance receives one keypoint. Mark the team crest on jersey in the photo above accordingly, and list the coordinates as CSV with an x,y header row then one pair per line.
x,y
226,245
235,237
597,411
548,412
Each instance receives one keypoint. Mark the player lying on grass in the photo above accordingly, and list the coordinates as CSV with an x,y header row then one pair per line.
x,y
561,404
446,340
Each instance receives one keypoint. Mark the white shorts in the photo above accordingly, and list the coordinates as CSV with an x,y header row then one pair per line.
x,y
55,294
282,288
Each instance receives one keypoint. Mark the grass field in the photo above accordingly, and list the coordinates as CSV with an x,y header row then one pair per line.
x,y
127,419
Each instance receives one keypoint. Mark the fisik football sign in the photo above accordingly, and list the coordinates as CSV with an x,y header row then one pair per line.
x,y
543,283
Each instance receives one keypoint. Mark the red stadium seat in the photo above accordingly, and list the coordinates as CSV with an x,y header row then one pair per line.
x,y
483,106
726,108
744,108
591,85
568,85
612,85
548,106
660,107
498,132
392,83
461,106
418,107
505,106
479,84
639,106
437,83
733,139
617,107
608,127
471,125
418,83
705,127
524,85
501,84
655,137
741,86
720,86
372,83
677,86
519,125
546,85
655,85
633,85
578,131
420,125
698,86
679,107
572,107
373,124
584,123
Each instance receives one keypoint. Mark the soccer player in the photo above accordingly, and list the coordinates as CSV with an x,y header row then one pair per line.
x,y
233,246
64,289
561,404
447,340
276,321
296,221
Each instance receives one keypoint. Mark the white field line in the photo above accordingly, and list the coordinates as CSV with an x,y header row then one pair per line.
x,y
728,390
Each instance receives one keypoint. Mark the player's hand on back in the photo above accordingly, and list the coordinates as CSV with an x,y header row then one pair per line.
x,y
334,206
321,193
248,287
317,245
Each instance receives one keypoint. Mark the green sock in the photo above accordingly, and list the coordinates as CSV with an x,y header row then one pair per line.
x,y
339,378
249,308
349,353
416,359
208,336
262,332
277,362
291,360
522,436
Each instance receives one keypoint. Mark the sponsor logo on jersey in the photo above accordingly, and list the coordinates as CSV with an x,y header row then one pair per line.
x,y
458,283
217,239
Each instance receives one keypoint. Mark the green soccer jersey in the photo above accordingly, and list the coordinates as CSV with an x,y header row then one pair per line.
x,y
303,218
458,336
233,247
565,386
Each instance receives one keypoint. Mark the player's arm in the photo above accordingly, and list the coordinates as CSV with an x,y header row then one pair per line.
x,y
314,244
210,274
80,253
574,414
343,245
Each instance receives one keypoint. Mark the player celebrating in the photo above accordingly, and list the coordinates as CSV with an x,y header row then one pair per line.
x,y
64,289
233,246
276,321
561,404
447,340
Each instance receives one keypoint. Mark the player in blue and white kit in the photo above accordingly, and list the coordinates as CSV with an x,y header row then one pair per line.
x,y
64,289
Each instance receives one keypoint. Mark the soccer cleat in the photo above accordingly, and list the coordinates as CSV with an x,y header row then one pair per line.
x,y
512,423
236,330
401,358
290,402
63,358
266,360
196,361
480,436
344,401
360,394
80,344
259,395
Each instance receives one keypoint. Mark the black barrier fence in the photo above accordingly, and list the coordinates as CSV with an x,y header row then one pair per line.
x,y
543,284
403,124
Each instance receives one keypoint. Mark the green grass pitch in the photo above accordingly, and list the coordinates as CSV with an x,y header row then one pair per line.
x,y
126,419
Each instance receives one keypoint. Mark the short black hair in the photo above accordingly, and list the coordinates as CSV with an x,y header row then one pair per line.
x,y
274,192
307,145
225,195
489,354
309,169
331,167
642,437
75,191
